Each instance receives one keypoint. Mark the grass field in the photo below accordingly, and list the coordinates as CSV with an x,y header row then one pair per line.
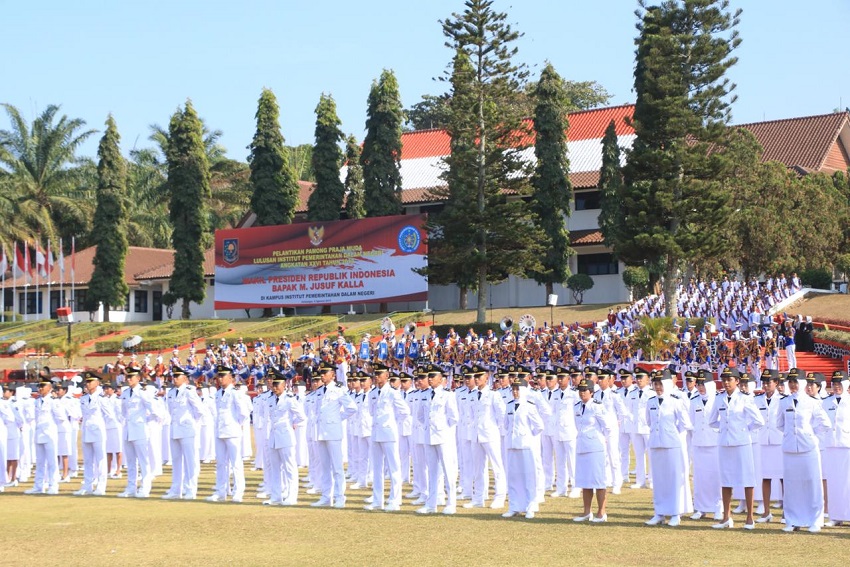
x,y
92,531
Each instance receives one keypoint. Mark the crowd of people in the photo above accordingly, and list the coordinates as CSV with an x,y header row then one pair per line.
x,y
509,438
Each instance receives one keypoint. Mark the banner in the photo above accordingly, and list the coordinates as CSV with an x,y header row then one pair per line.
x,y
321,263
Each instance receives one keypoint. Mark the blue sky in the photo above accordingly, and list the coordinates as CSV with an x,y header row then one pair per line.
x,y
140,60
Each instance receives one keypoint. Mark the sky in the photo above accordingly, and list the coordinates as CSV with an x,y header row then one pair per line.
x,y
140,60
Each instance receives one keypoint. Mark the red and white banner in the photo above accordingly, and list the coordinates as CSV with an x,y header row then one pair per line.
x,y
321,263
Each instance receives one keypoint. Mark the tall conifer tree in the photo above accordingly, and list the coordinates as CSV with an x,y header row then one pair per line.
x,y
325,203
552,191
109,231
382,148
507,239
675,200
355,208
189,187
275,187
610,187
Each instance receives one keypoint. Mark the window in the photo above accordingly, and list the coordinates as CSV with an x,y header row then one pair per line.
x,y
141,302
597,264
80,296
29,303
587,200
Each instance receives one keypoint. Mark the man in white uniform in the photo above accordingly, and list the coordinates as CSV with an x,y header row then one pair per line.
x,y
439,415
333,406
95,409
137,409
231,413
186,410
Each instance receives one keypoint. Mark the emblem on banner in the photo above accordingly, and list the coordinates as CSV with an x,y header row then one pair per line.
x,y
231,250
316,234
408,239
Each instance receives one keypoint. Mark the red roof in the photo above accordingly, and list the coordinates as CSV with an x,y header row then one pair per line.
x,y
583,125
801,143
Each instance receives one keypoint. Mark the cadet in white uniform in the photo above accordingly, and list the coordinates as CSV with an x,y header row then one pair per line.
x,y
387,408
333,406
95,409
137,409
420,461
735,415
13,422
48,414
669,423
405,428
522,424
802,418
114,431
563,425
187,412
706,480
488,414
284,414
640,432
231,413
616,409
836,456
627,426
439,415
593,425
769,439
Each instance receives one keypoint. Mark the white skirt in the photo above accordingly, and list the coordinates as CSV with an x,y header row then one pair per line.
x,y
13,448
113,440
737,467
671,492
63,444
836,464
803,497
590,470
707,493
771,461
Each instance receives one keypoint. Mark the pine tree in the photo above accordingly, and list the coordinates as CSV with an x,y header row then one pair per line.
x,y
451,241
325,202
611,215
506,238
355,207
552,191
275,186
382,148
675,200
189,187
109,233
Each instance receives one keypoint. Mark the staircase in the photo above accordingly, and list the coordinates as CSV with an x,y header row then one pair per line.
x,y
811,362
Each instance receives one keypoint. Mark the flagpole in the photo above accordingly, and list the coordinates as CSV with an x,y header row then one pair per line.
x,y
47,270
62,299
3,306
26,279
73,277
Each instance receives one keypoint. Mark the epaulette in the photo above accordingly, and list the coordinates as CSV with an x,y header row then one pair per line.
x,y
762,394
595,401
532,403
674,396
783,396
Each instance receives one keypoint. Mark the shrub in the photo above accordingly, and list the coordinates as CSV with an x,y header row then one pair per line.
x,y
818,278
578,284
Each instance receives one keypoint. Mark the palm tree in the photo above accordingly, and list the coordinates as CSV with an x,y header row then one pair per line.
x,y
46,188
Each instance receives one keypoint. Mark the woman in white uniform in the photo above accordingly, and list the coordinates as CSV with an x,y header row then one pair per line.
x,y
522,426
836,455
735,415
669,422
801,418
707,498
593,425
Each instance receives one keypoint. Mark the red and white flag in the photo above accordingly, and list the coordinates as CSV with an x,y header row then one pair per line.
x,y
4,263
40,261
61,259
18,262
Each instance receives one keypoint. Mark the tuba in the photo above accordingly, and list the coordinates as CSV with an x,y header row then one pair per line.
x,y
527,324
410,328
506,324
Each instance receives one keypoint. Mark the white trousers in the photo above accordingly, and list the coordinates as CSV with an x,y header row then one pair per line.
x,y
625,442
405,453
46,467
643,473
614,470
420,470
137,458
481,452
441,458
94,466
385,454
565,465
283,475
228,459
465,467
260,441
185,467
333,475
548,455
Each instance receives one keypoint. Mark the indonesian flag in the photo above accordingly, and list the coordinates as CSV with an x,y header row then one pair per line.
x,y
49,259
61,259
40,261
27,265
4,263
18,262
